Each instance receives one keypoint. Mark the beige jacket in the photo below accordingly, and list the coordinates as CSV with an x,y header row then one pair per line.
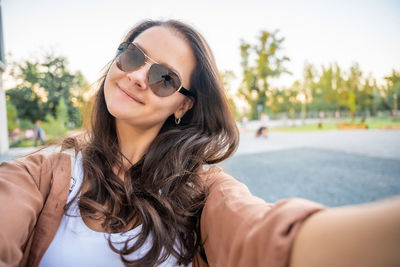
x,y
239,229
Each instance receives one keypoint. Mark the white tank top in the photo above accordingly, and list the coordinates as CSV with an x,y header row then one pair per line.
x,y
75,244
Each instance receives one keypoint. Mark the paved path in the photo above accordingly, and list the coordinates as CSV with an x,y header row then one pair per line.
x,y
331,167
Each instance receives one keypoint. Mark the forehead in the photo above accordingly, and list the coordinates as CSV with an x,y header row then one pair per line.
x,y
166,46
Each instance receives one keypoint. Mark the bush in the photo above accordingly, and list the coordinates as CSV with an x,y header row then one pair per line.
x,y
12,116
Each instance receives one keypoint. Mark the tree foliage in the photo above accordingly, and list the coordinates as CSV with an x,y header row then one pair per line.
x,y
227,78
260,63
40,86
27,102
392,91
328,88
12,116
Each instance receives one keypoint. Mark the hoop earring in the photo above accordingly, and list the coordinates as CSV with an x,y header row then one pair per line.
x,y
177,121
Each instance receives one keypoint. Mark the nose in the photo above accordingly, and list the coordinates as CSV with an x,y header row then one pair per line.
x,y
139,76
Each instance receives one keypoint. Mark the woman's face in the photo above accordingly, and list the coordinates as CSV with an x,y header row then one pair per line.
x,y
128,95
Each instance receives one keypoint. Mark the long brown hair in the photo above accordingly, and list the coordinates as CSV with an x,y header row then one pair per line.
x,y
163,190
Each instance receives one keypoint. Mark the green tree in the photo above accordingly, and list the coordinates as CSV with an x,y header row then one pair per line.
x,y
352,86
55,127
327,89
268,63
296,97
308,89
27,102
283,100
377,99
324,93
40,86
62,111
227,78
393,91
57,81
78,99
365,96
12,116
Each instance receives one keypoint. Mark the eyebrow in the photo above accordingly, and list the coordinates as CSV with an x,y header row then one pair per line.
x,y
166,64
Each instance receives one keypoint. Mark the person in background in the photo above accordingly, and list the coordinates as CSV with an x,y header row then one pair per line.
x,y
263,129
38,133
244,122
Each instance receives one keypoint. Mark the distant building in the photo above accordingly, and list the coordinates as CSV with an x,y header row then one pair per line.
x,y
3,106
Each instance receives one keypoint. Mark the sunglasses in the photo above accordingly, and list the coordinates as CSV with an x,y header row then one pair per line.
x,y
162,80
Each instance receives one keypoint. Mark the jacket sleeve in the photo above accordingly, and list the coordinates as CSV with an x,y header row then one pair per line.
x,y
239,229
22,192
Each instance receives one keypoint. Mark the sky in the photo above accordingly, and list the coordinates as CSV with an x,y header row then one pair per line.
x,y
320,32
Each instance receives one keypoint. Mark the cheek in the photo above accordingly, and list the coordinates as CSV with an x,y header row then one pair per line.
x,y
174,105
111,96
107,91
112,76
165,106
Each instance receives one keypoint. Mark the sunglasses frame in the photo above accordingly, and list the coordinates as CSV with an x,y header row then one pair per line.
x,y
124,45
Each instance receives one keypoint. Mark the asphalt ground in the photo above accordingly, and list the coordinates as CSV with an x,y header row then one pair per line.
x,y
330,167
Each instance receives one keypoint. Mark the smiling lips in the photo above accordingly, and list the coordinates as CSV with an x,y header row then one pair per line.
x,y
130,95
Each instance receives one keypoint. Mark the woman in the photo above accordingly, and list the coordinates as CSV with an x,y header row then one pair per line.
x,y
139,194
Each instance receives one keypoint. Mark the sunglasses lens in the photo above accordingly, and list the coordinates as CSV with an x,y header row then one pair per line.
x,y
162,80
130,59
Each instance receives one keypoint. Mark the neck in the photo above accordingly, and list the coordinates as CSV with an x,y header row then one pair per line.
x,y
134,142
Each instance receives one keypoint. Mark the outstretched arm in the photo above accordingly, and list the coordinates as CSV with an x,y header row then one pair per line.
x,y
364,235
